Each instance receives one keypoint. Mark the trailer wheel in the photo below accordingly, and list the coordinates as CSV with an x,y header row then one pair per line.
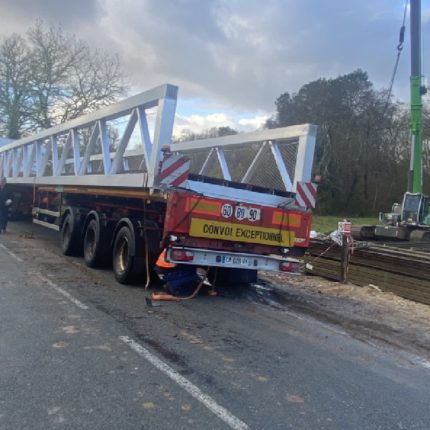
x,y
68,236
93,249
126,266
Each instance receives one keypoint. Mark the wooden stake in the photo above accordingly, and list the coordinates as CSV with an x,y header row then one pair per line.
x,y
344,260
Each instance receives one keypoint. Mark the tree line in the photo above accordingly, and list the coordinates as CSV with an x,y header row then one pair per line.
x,y
363,145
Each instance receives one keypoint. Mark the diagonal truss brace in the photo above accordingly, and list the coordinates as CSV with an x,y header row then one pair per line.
x,y
58,155
303,136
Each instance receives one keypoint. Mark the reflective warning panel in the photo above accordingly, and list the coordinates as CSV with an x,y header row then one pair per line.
x,y
240,233
200,217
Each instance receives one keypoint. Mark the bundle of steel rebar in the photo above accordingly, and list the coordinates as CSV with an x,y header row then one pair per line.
x,y
402,269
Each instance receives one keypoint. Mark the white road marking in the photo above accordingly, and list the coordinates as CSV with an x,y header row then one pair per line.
x,y
232,421
12,254
416,360
78,303
423,362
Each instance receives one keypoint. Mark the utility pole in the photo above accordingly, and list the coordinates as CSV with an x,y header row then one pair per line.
x,y
415,179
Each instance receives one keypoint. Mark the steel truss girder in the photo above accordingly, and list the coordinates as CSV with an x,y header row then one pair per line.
x,y
57,155
303,136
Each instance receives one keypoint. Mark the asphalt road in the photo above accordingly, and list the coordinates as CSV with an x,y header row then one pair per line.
x,y
79,351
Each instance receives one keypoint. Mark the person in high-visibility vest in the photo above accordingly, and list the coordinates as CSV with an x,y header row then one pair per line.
x,y
162,263
179,279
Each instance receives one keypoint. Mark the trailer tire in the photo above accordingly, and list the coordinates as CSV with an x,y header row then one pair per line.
x,y
93,246
69,239
126,266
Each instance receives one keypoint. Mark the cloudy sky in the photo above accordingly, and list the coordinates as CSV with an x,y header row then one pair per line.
x,y
232,58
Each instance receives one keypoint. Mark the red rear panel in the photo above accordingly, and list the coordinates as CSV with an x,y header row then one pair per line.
x,y
223,223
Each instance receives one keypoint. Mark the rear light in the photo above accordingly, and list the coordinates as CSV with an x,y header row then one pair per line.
x,y
181,255
289,266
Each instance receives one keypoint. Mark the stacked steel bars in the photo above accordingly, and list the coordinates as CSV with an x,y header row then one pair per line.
x,y
403,269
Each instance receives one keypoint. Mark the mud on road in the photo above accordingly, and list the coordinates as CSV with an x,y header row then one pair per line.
x,y
286,352
366,313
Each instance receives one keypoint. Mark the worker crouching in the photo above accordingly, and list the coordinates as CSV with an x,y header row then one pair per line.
x,y
180,281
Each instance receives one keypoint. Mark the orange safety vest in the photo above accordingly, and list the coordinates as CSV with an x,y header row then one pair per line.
x,y
161,262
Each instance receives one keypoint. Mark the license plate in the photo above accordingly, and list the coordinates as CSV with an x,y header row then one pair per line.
x,y
241,261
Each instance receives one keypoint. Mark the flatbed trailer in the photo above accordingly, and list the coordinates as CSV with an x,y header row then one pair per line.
x,y
107,183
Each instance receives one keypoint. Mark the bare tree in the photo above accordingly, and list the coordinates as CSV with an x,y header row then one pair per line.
x,y
96,80
15,86
65,79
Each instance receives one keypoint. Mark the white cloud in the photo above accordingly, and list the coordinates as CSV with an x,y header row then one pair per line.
x,y
252,123
18,15
245,54
241,53
201,123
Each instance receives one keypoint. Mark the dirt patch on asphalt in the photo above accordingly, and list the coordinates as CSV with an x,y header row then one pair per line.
x,y
365,312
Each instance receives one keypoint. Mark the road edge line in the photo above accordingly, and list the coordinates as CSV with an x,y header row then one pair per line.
x,y
66,294
222,413
12,254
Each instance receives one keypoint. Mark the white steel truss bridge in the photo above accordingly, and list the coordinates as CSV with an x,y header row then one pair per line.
x,y
120,146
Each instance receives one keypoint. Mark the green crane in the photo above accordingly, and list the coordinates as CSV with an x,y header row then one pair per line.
x,y
415,207
412,219
415,182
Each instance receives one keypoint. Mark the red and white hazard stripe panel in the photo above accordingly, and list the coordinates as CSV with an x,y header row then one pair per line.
x,y
174,171
306,194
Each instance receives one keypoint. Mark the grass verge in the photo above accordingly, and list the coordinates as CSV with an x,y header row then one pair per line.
x,y
326,224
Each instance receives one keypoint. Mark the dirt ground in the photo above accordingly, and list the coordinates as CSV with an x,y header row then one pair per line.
x,y
365,312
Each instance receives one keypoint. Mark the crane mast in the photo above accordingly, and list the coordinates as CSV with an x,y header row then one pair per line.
x,y
415,179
